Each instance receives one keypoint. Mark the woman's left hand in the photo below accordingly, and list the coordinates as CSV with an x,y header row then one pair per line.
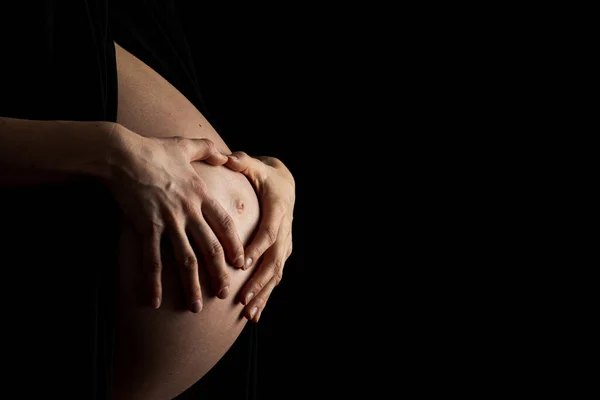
x,y
276,190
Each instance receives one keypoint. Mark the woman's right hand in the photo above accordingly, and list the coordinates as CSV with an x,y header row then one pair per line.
x,y
158,189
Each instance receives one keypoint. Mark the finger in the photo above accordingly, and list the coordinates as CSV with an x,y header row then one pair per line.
x,y
242,162
271,268
214,257
188,268
224,227
202,149
152,265
238,161
267,232
253,310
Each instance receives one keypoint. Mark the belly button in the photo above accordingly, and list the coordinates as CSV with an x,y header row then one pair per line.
x,y
239,206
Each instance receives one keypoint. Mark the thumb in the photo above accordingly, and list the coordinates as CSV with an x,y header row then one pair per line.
x,y
203,149
239,161
253,168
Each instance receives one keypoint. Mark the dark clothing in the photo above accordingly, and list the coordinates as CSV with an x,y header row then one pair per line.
x,y
60,242
58,61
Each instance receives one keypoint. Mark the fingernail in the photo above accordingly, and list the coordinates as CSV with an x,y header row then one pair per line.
x,y
249,297
197,306
224,292
253,312
258,316
232,157
239,262
248,262
155,302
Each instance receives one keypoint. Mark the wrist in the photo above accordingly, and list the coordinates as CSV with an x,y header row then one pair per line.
x,y
120,146
103,147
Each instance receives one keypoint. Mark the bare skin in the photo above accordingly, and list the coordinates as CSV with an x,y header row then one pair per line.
x,y
160,353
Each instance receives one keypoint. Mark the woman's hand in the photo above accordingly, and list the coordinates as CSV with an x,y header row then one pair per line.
x,y
158,189
276,191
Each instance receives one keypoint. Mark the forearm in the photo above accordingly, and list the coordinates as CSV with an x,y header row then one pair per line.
x,y
38,152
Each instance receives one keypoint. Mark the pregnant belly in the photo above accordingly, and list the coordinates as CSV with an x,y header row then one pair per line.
x,y
160,353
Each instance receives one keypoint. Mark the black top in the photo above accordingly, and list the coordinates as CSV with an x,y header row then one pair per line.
x,y
59,243
57,61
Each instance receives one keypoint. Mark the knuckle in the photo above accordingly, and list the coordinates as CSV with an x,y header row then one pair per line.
x,y
153,227
210,145
271,234
227,223
260,285
154,266
189,209
190,263
215,250
278,271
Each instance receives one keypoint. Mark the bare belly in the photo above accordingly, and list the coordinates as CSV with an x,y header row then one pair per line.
x,y
161,353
